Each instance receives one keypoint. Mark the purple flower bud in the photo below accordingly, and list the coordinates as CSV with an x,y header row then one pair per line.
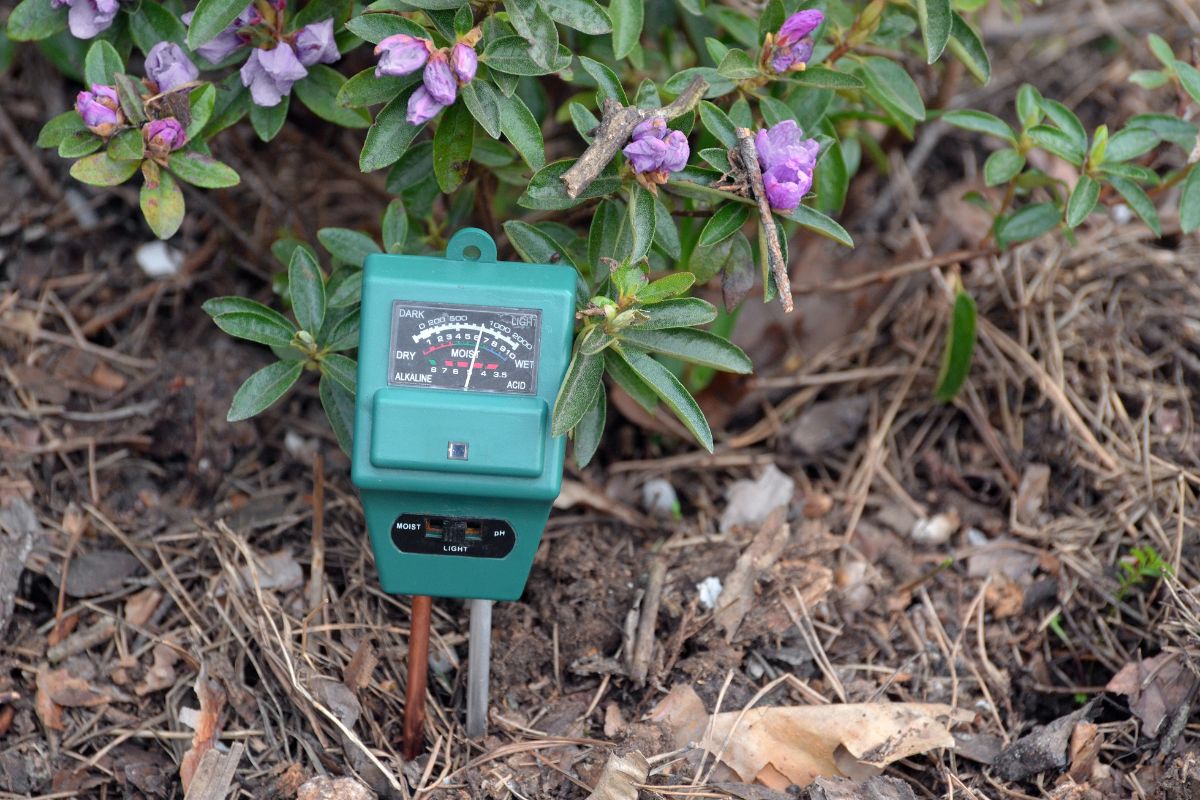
x,y
87,18
422,107
219,48
164,135
439,80
168,66
782,142
464,62
655,127
271,73
646,154
100,109
799,25
677,153
786,183
401,54
315,44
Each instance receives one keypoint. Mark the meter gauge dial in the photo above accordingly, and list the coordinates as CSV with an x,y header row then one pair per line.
x,y
464,348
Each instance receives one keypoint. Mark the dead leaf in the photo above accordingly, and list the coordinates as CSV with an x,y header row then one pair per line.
x,y
751,502
1042,749
276,571
214,773
784,745
161,674
1004,597
575,493
620,777
1155,688
68,690
737,596
1084,750
1003,555
99,572
139,608
1031,494
19,528
205,723
829,425
614,722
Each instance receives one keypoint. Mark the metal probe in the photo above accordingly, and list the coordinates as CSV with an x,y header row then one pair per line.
x,y
479,657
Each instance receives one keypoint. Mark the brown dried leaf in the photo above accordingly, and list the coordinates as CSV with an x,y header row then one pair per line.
x,y
620,777
1085,749
1031,494
68,690
161,674
139,608
1155,688
785,745
276,571
100,571
206,724
738,596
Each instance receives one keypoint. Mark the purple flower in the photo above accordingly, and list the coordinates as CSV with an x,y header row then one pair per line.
x,y
401,54
88,17
271,73
656,150
422,107
439,80
787,160
315,43
100,109
164,135
464,62
793,45
219,48
168,66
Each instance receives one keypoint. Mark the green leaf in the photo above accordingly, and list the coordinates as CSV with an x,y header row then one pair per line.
x,y
374,27
128,145
101,170
585,16
202,101
681,312
340,330
162,205
968,48
452,143
577,392
1029,105
1130,143
1161,50
339,409
263,388
670,391
395,227
546,190
364,89
306,286
1028,223
604,234
1133,172
817,222
523,132
101,64
831,180
537,29
1189,79
641,221
718,84
60,127
484,104
262,324
1189,202
594,340
210,18
981,122
1171,129
627,19
268,120
203,171
1083,200
347,291
606,80
666,287
33,20
691,345
717,123
1068,123
1150,78
892,87
960,345
389,136
1141,204
737,65
219,306
819,77
535,245
346,245
1057,142
1002,166
79,143
510,54
590,428
629,381
341,369
666,233
152,23
319,92
727,221
129,94
935,19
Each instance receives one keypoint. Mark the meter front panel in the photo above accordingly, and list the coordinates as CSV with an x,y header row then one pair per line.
x,y
464,348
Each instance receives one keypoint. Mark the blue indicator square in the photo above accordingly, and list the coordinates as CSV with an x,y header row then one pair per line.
x,y
456,451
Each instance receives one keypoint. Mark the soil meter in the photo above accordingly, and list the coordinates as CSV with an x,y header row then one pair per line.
x,y
459,363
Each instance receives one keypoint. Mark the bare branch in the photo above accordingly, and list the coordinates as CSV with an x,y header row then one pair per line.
x,y
616,124
748,156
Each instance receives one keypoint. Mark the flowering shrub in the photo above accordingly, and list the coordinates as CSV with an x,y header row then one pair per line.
x,y
689,166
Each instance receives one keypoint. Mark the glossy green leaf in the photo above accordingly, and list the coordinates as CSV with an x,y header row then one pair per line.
x,y
1189,202
546,189
128,145
201,170
607,82
590,429
960,345
666,232
535,245
101,64
364,89
395,227
79,143
341,369
691,345
1138,200
627,19
1028,223
219,306
346,245
267,327
641,221
669,286
153,23
891,86
484,104
681,312
737,65
1161,50
319,91
629,381
670,391
1189,79
536,27
819,77
267,121
389,136
727,220
968,48
510,54
210,18
262,389
1002,166
1057,142
338,404
202,102
577,392
523,131
59,128
981,122
585,16
1129,143
1083,200
374,27
817,222
306,286
1067,122
33,20
935,19
717,123
101,170
452,143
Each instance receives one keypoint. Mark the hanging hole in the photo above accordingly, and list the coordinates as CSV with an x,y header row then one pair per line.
x,y
472,253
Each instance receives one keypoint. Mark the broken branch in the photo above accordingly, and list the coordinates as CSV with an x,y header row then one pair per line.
x,y
616,124
748,156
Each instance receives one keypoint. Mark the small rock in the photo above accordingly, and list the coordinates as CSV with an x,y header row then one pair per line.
x,y
158,260
829,425
710,591
659,498
936,529
323,787
751,502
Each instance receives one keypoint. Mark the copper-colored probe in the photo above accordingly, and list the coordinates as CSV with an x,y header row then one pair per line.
x,y
418,672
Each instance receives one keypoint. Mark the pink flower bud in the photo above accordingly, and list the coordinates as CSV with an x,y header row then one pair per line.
x,y
422,107
656,127
676,156
100,109
315,44
646,154
401,54
164,135
168,66
464,62
87,18
657,150
439,80
799,25
793,45
270,74
787,160
227,41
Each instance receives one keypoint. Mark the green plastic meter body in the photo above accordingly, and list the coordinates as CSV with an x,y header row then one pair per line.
x,y
459,363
